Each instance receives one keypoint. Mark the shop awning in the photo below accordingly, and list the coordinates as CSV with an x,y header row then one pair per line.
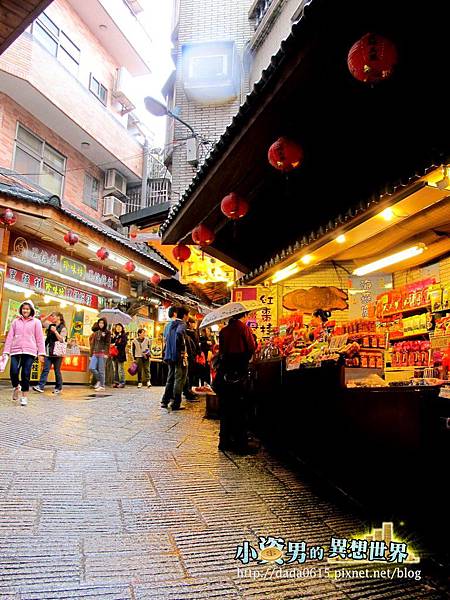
x,y
359,141
34,205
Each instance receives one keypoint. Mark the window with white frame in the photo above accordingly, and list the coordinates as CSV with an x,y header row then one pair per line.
x,y
57,42
91,191
38,161
98,89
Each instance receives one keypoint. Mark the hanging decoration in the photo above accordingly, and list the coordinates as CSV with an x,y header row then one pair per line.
x,y
129,266
71,238
234,206
372,58
133,232
155,279
202,235
102,253
199,317
8,218
181,253
285,154
167,304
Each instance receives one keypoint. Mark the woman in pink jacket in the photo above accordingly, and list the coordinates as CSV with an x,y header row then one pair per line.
x,y
25,341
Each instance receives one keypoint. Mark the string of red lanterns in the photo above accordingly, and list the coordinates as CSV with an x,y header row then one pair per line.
x,y
202,235
8,218
155,279
102,253
129,266
181,252
234,206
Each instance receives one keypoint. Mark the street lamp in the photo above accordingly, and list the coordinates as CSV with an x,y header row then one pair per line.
x,y
158,109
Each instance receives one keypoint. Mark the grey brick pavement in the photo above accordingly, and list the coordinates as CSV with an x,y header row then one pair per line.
x,y
112,498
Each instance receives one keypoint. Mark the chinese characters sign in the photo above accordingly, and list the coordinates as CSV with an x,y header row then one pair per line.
x,y
52,259
363,292
47,286
263,321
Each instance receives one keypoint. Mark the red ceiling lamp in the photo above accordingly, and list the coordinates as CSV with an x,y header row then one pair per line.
x,y
155,279
129,266
202,235
285,154
181,253
8,218
102,253
71,238
372,58
234,206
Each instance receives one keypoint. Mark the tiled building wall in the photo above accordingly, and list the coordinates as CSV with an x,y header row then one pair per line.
x,y
443,269
206,21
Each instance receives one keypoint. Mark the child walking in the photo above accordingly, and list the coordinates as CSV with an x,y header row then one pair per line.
x,y
25,341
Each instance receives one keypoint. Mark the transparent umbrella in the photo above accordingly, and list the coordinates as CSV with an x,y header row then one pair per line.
x,y
114,316
223,313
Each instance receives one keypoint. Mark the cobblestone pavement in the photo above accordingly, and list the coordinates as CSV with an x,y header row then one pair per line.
x,y
113,498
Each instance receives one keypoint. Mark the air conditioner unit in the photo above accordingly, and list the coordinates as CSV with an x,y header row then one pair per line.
x,y
113,207
123,90
115,182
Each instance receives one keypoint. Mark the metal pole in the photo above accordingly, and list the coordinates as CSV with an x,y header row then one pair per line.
x,y
144,184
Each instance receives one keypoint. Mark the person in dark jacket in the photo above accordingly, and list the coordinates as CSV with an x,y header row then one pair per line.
x,y
193,349
56,332
119,341
236,348
175,355
100,342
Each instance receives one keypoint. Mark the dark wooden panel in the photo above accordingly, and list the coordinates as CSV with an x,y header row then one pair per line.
x,y
15,16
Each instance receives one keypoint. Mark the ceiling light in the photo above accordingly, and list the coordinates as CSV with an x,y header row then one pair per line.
x,y
285,273
387,214
306,259
390,260
341,238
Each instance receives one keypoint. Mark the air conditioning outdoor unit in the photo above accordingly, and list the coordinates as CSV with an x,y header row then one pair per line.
x,y
113,207
115,182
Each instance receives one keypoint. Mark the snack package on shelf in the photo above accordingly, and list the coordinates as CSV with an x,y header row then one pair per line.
x,y
436,297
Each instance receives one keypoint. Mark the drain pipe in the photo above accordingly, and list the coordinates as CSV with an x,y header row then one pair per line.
x,y
145,159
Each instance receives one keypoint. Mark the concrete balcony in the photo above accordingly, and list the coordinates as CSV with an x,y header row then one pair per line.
x,y
35,79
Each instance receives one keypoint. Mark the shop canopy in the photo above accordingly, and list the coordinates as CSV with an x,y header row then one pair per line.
x,y
44,217
359,141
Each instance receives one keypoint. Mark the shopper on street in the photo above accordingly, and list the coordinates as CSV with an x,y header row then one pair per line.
x,y
175,355
25,341
100,342
56,332
141,354
204,364
193,349
119,342
236,348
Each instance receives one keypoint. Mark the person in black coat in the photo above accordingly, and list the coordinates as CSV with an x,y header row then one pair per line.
x,y
193,349
119,342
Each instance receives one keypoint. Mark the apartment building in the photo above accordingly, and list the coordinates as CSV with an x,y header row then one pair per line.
x,y
68,100
220,49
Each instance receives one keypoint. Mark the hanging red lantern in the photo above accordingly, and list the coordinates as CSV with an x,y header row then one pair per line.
x,y
202,235
167,304
129,266
7,217
155,279
199,316
102,253
285,154
71,238
372,58
234,206
133,232
181,252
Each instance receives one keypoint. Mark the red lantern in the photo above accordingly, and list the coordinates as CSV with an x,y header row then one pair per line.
x,y
199,317
167,304
202,235
155,279
7,217
129,266
102,253
372,58
71,238
181,252
234,207
285,154
133,232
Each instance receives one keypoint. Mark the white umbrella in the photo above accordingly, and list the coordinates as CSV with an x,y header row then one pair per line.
x,y
223,313
114,316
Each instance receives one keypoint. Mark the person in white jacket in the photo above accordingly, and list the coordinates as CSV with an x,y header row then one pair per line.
x,y
25,341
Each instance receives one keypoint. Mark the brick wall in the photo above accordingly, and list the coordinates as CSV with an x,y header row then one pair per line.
x,y
324,275
206,21
76,166
411,275
28,60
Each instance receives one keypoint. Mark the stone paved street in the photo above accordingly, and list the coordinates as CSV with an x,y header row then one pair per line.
x,y
112,498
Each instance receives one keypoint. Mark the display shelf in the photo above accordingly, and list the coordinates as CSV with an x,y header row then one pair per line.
x,y
409,335
405,311
412,368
